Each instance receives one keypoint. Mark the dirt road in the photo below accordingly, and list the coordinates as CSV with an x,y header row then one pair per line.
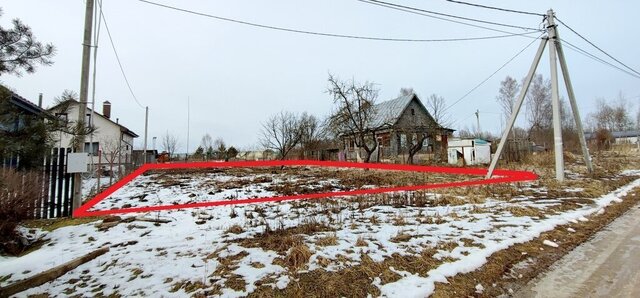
x,y
606,265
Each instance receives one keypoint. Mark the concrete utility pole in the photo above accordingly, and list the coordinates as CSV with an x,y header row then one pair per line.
x,y
555,53
84,92
478,121
555,97
146,124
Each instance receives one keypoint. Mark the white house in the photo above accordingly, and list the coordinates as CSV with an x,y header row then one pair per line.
x,y
469,151
111,142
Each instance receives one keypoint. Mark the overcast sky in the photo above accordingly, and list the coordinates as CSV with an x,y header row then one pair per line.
x,y
235,76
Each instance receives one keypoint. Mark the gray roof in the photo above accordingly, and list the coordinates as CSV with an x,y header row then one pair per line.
x,y
616,134
388,112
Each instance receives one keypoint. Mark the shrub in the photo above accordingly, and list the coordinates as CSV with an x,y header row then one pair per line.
x,y
19,192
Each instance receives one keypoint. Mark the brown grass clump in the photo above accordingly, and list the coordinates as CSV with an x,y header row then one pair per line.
x,y
398,220
235,229
401,237
235,282
298,257
328,240
282,239
524,211
361,242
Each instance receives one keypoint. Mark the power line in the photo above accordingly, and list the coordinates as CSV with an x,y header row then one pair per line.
x,y
596,58
595,46
490,76
509,34
497,8
118,58
388,4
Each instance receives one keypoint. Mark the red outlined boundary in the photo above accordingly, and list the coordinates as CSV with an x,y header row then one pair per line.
x,y
500,176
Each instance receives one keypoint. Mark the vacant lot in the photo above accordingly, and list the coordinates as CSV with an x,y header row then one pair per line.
x,y
396,244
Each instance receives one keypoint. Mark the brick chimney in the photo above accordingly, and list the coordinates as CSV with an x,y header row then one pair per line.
x,y
106,109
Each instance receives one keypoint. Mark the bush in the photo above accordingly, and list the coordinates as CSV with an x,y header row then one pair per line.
x,y
19,192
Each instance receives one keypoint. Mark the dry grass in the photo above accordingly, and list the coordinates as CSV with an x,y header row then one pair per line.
x,y
235,229
524,211
282,239
328,240
352,281
361,242
298,257
401,237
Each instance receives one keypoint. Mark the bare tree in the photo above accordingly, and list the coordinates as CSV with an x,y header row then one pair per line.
x,y
539,103
207,145
507,96
611,117
355,115
60,122
169,144
220,148
281,132
404,91
311,130
436,106
111,150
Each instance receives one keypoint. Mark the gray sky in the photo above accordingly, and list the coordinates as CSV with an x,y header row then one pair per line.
x,y
236,75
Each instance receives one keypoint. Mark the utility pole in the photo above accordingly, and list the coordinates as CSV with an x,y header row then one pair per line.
x,y
555,97
84,90
478,121
188,121
146,125
555,54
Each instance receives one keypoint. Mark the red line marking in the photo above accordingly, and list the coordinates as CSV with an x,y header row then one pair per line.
x,y
501,176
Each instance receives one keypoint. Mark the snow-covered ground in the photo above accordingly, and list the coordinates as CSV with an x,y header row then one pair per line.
x,y
205,251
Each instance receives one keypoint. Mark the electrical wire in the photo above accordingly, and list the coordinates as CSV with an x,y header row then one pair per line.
x,y
490,76
509,34
497,8
595,46
104,19
460,120
447,15
596,58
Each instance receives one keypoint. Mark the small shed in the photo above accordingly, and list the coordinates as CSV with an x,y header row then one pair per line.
x,y
468,151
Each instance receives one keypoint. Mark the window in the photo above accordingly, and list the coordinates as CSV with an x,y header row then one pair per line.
x,y
413,112
93,150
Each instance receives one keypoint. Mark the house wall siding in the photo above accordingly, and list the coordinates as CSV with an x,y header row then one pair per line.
x,y
107,134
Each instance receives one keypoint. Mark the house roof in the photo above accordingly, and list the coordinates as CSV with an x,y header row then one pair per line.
x,y
123,128
616,134
387,113
23,103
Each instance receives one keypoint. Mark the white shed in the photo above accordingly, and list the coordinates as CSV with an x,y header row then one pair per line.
x,y
472,151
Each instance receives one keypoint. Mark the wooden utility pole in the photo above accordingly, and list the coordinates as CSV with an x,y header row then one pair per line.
x,y
84,92
555,54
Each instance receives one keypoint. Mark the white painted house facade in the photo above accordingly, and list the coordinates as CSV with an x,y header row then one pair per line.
x,y
110,143
468,151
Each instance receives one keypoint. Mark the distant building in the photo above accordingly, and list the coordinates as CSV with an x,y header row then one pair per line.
x,y
18,115
620,137
112,141
472,151
398,122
